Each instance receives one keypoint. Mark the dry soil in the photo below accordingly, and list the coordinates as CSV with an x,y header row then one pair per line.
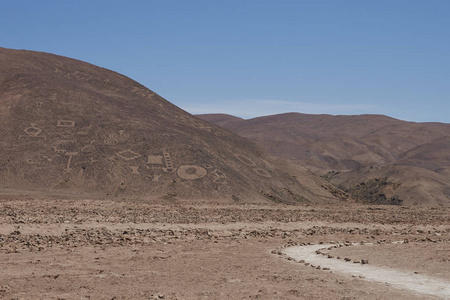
x,y
101,249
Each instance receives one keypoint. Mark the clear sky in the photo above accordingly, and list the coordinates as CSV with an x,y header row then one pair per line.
x,y
251,58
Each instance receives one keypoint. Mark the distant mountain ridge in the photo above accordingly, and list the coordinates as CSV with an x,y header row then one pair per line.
x,y
350,145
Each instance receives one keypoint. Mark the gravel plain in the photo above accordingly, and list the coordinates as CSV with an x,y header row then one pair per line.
x,y
54,248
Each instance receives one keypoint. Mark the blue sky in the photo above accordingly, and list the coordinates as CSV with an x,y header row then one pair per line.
x,y
253,58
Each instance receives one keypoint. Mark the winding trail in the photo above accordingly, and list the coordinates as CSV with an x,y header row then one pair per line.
x,y
400,279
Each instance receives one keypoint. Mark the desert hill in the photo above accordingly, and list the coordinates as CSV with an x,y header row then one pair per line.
x,y
397,161
73,128
326,142
434,155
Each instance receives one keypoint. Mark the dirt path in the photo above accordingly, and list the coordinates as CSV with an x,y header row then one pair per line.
x,y
400,279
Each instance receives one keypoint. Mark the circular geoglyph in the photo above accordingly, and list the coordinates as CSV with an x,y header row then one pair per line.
x,y
191,172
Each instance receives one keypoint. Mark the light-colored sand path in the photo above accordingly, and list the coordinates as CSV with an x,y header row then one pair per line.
x,y
400,279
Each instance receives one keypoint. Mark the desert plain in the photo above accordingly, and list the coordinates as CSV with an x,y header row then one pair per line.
x,y
67,248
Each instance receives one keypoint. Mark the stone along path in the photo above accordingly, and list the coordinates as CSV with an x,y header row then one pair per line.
x,y
311,255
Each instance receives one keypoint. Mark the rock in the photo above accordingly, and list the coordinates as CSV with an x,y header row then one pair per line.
x,y
227,233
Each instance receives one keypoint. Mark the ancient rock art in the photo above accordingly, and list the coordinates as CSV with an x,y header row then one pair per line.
x,y
128,155
246,160
135,170
44,157
65,123
62,142
57,150
219,176
155,178
262,172
70,154
218,173
38,159
112,139
57,147
168,161
84,131
33,132
82,75
93,160
154,159
153,167
191,172
88,148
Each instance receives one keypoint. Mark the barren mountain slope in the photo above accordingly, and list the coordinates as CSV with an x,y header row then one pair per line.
x,y
325,142
365,155
396,184
419,176
434,155
72,128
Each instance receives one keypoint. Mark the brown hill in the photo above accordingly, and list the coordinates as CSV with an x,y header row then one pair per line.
x,y
396,184
325,142
346,147
434,155
69,127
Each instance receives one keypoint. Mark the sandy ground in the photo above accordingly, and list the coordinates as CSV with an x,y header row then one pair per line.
x,y
320,257
100,249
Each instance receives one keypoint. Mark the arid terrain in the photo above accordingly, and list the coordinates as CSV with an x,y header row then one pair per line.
x,y
374,158
53,248
109,191
67,126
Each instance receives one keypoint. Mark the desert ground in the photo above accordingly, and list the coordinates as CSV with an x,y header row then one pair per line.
x,y
56,248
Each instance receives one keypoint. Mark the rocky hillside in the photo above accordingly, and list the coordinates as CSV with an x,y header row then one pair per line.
x,y
358,153
71,128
